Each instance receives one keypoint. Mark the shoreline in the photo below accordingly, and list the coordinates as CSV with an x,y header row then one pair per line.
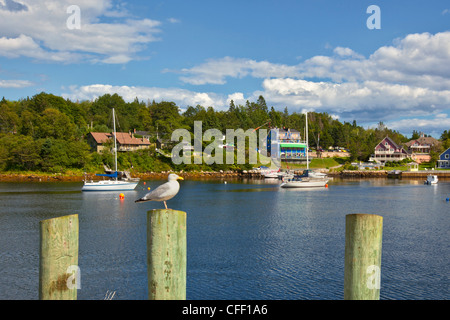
x,y
252,174
60,177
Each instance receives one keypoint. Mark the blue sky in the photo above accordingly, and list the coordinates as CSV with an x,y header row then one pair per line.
x,y
304,55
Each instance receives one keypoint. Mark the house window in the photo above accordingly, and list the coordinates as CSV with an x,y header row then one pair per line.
x,y
447,156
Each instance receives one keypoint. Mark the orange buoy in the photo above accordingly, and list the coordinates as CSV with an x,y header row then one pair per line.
x,y
148,188
121,196
326,186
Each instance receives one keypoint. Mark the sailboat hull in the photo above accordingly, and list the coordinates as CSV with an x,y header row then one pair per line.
x,y
109,185
305,183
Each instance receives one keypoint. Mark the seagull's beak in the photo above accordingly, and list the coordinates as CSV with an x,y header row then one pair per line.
x,y
181,178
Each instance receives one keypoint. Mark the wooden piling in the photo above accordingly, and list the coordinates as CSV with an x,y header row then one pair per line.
x,y
363,238
58,257
166,254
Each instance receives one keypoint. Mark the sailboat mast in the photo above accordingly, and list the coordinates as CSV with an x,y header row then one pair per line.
x,y
115,140
307,146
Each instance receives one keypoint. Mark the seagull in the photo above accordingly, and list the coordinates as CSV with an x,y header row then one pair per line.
x,y
165,191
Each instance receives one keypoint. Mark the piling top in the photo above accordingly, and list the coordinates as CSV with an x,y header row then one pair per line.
x,y
167,211
364,218
364,215
70,216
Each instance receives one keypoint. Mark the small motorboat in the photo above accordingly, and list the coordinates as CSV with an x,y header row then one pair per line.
x,y
431,179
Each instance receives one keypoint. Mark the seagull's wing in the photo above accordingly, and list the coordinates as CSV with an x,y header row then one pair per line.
x,y
163,192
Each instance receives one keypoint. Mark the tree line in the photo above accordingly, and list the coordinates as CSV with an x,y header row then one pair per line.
x,y
48,133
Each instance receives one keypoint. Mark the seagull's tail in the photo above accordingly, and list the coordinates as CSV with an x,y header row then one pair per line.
x,y
140,200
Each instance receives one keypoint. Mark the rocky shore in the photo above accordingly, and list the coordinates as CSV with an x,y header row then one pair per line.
x,y
38,177
251,174
43,177
199,175
360,174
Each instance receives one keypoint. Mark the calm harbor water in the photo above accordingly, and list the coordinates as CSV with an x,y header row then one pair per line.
x,y
246,240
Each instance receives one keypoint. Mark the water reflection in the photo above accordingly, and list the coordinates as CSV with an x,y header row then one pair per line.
x,y
246,239
251,190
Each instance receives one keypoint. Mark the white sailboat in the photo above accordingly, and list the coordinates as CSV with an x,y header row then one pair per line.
x,y
114,184
309,179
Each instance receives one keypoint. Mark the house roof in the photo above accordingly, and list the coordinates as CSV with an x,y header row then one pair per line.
x,y
122,138
444,152
126,138
423,141
288,130
100,137
292,145
142,133
391,141
396,146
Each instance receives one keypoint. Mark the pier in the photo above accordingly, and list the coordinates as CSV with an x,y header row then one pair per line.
x,y
59,274
388,174
424,174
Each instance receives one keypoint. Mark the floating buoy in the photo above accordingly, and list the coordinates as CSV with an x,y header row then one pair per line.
x,y
121,196
148,188
326,186
144,183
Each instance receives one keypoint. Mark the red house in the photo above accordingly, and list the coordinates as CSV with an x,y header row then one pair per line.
x,y
388,150
420,148
125,141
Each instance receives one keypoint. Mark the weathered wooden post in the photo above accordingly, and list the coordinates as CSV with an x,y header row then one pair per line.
x,y
58,258
363,237
166,254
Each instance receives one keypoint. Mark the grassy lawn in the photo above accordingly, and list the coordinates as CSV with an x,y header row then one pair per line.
x,y
422,166
324,163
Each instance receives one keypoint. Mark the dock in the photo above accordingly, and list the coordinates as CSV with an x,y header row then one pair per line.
x,y
398,174
424,173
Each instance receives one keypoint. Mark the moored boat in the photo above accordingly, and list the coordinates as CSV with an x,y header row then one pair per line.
x,y
431,179
297,182
125,182
109,185
309,178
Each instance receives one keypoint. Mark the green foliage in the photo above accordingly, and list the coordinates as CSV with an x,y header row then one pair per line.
x,y
391,164
57,155
54,124
48,133
349,166
19,152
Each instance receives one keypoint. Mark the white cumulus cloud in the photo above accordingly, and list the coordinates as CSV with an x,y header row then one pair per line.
x,y
182,97
215,71
411,77
43,30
